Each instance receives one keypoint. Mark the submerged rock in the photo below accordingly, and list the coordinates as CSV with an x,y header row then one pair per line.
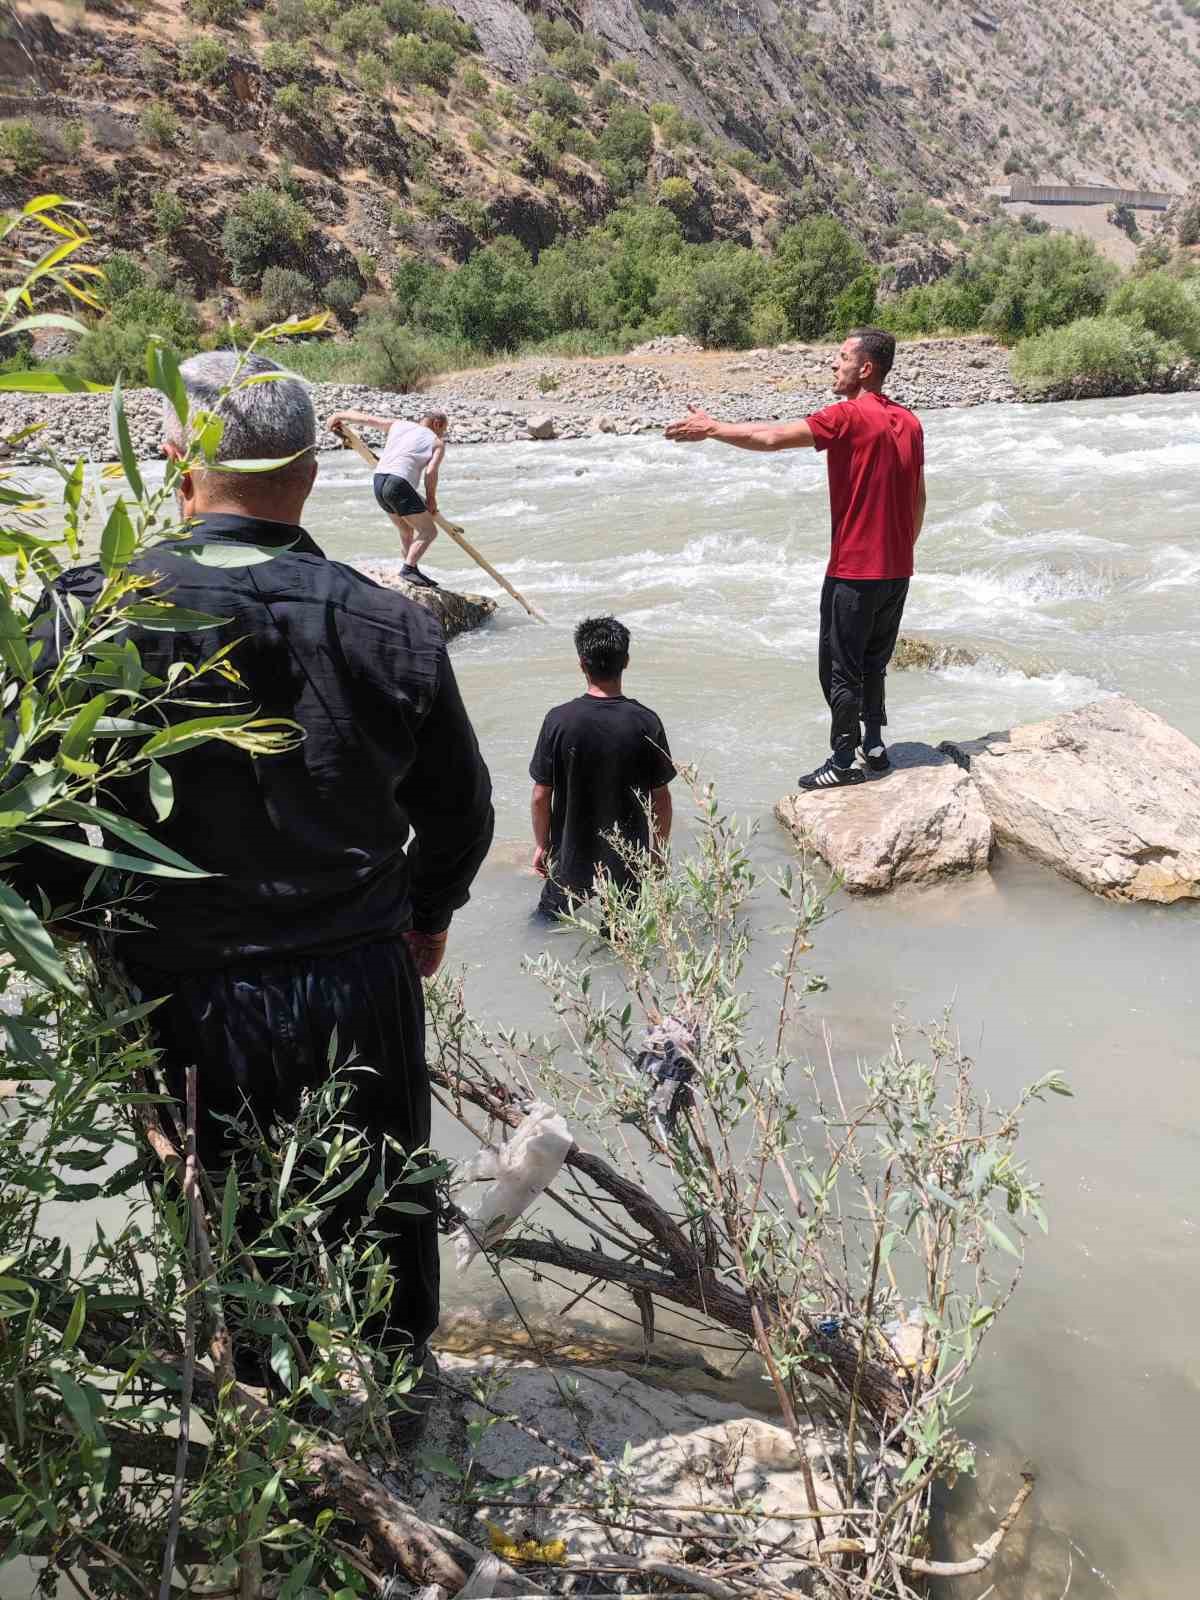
x,y
916,654
921,822
1108,795
457,613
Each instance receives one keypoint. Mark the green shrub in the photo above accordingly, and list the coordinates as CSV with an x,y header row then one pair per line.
x,y
290,100
358,28
223,12
678,195
626,72
416,60
123,273
288,59
170,213
476,141
768,323
718,305
203,57
1041,281
288,20
21,145
371,72
341,295
286,292
605,94
815,262
116,347
1166,305
159,125
72,136
472,82
558,98
490,301
624,147
574,59
1093,355
262,225
367,265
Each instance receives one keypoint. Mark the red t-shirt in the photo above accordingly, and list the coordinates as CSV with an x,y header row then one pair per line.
x,y
876,450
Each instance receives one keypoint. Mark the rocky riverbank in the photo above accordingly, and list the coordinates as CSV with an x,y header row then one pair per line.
x,y
541,396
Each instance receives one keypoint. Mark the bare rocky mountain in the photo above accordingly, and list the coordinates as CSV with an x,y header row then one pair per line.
x,y
898,116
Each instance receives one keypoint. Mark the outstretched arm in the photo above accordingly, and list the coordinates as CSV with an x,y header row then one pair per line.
x,y
745,435
366,418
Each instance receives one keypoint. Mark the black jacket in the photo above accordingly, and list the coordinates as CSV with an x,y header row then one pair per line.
x,y
309,846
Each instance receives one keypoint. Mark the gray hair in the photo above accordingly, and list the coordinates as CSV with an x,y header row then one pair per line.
x,y
263,422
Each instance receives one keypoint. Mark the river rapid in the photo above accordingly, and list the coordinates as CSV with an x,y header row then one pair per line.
x,y
1063,540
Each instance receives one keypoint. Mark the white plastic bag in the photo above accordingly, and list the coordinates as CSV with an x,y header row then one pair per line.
x,y
514,1175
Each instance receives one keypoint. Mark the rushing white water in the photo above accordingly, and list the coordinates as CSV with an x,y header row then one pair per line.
x,y
1063,539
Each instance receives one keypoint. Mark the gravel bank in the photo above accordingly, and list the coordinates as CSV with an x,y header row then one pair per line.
x,y
637,393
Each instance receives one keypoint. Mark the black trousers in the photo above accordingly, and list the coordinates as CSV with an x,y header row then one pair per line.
x,y
261,1034
860,618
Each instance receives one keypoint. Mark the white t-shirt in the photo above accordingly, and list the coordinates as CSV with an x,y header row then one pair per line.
x,y
407,451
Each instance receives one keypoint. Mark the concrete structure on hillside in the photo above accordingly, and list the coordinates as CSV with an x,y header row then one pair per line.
x,y
1089,194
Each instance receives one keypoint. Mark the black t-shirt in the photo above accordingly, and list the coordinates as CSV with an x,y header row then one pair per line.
x,y
602,757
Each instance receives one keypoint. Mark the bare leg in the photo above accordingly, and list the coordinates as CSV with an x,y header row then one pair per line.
x,y
424,533
406,532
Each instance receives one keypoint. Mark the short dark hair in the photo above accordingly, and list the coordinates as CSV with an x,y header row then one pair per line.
x,y
878,344
602,645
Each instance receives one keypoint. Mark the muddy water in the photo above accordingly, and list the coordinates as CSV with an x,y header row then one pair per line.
x,y
1062,540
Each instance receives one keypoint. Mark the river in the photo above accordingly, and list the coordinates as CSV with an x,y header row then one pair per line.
x,y
1064,537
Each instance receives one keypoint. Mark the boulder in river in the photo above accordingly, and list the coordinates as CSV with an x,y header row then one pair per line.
x,y
541,427
457,613
921,822
1108,795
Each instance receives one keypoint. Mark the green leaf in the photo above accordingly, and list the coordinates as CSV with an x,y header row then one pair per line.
x,y
229,1208
75,1322
233,555
77,1404
296,1579
283,1362
73,488
77,740
108,858
185,735
132,832
159,617
14,644
40,382
162,791
124,444
999,1237
118,541
436,1461
162,369
258,463
209,434
30,946
408,1207
44,319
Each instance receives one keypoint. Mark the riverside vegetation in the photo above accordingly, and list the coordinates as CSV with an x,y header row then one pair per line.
x,y
862,1240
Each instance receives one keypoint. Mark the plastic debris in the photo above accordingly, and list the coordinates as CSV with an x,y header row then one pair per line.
x,y
510,1548
515,1175
669,1060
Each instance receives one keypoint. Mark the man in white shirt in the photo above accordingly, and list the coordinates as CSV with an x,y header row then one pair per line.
x,y
412,448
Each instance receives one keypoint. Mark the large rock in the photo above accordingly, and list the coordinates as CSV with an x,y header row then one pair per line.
x,y
1108,795
670,1449
457,613
920,822
541,427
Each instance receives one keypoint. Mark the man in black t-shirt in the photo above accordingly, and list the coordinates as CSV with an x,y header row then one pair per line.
x,y
598,760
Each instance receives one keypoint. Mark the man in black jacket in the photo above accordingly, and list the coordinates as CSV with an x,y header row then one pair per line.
x,y
318,923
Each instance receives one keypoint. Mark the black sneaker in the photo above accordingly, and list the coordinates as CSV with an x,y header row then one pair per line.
x,y
831,776
416,576
876,759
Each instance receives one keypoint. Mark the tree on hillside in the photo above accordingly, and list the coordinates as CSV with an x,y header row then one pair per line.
x,y
816,260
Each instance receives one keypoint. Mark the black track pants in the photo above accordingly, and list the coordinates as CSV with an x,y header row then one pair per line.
x,y
860,619
261,1034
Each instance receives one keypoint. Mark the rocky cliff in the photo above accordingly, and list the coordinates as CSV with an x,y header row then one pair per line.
x,y
403,129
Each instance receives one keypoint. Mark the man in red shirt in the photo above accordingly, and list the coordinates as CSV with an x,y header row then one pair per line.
x,y
875,451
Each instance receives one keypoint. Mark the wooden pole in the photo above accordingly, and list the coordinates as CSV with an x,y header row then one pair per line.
x,y
353,442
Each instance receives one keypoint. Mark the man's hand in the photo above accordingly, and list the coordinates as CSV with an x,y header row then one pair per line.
x,y
427,950
541,861
691,429
335,424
